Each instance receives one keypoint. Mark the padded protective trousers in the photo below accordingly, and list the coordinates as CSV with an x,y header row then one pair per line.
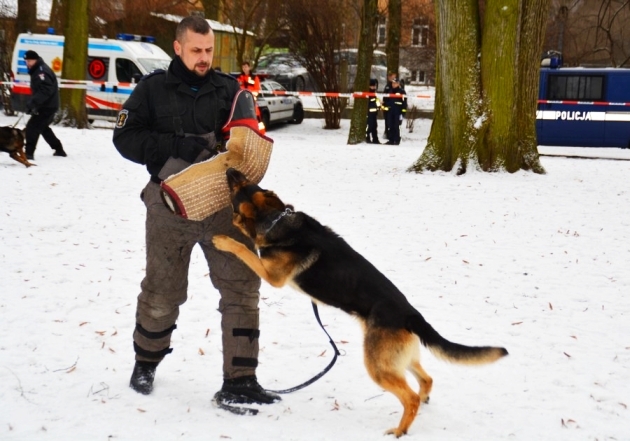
x,y
169,243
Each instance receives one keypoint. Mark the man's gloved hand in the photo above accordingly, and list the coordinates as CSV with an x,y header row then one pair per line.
x,y
30,111
188,148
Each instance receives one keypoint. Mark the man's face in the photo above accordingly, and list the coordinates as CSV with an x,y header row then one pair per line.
x,y
30,63
196,51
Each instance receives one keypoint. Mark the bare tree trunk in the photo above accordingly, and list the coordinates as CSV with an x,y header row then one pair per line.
x,y
392,45
485,107
26,16
369,20
73,112
315,30
211,9
57,15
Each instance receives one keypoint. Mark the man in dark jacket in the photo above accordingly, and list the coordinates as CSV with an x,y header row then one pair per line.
x,y
386,90
172,119
396,107
42,105
374,104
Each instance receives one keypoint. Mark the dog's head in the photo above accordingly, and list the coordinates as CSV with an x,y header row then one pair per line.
x,y
254,208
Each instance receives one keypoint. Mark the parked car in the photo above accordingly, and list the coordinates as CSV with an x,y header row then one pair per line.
x,y
286,69
278,108
378,71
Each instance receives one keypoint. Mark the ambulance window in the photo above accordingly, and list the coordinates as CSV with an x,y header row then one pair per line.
x,y
97,68
125,70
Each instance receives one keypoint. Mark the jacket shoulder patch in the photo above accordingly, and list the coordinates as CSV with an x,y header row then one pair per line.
x,y
123,116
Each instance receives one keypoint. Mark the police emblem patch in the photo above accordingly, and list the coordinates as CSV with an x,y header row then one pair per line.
x,y
122,118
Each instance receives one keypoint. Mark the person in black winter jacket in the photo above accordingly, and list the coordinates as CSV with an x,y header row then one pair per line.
x,y
396,107
374,105
42,105
172,119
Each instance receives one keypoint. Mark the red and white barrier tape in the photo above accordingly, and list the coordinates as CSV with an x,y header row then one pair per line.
x,y
583,103
77,84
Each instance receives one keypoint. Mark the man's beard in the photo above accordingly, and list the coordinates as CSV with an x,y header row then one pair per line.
x,y
201,65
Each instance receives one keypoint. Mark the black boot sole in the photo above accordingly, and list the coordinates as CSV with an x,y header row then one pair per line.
x,y
226,401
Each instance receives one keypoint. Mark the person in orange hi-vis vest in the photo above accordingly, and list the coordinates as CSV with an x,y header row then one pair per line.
x,y
250,81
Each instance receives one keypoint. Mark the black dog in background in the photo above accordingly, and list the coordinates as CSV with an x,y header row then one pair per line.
x,y
12,142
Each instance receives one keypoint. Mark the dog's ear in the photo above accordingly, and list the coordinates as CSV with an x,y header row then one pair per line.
x,y
273,201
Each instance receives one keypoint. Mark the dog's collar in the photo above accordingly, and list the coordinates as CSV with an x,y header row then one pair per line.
x,y
287,211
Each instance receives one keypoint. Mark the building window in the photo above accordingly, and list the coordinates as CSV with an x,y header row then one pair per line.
x,y
381,31
419,33
418,76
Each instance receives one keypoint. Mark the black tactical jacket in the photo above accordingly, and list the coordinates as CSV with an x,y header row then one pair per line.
x,y
44,87
146,129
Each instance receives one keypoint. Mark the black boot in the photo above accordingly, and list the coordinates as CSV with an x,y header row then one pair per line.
x,y
244,390
142,377
59,151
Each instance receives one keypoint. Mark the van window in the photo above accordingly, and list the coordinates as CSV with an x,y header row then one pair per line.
x,y
151,64
576,87
125,70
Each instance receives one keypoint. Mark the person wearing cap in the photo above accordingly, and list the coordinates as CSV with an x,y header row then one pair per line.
x,y
374,104
396,107
172,119
42,105
386,89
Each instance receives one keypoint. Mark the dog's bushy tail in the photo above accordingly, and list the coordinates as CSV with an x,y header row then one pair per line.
x,y
449,351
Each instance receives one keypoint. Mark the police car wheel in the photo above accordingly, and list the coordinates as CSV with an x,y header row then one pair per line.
x,y
298,114
265,118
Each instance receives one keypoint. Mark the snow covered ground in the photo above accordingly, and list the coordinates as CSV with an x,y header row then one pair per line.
x,y
539,264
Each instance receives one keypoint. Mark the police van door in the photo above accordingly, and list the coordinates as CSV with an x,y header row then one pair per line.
x,y
564,122
127,75
98,96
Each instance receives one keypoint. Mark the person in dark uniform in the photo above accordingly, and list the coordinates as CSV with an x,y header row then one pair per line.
x,y
386,90
172,119
396,107
374,104
42,105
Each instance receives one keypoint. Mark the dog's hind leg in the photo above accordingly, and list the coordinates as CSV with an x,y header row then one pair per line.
x,y
387,355
424,380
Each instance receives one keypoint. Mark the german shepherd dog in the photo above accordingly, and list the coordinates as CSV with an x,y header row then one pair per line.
x,y
296,249
12,142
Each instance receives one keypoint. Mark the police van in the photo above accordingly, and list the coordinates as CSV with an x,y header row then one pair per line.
x,y
113,68
584,107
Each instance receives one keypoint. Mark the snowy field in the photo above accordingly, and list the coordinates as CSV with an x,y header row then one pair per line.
x,y
539,264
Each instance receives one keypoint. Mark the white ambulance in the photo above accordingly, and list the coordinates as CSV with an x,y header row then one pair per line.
x,y
113,68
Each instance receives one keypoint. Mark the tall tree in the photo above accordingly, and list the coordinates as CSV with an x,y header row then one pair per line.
x,y
211,9
73,112
26,15
485,106
369,21
315,32
392,44
261,18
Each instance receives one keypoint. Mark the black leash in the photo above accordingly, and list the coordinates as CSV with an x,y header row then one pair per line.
x,y
240,410
322,373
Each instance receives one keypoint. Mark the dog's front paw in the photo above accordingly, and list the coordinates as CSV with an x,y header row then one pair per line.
x,y
222,243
